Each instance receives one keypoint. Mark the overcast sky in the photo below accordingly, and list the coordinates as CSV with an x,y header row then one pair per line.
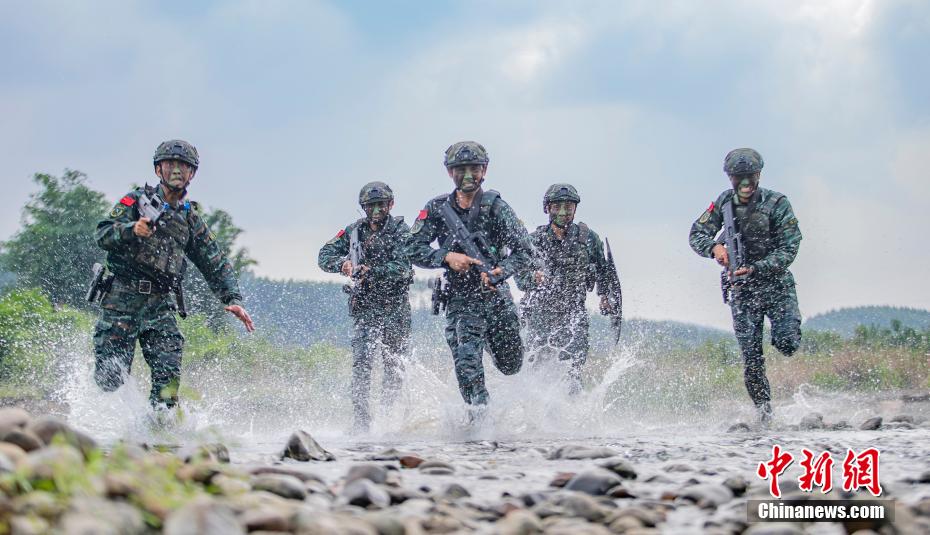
x,y
295,104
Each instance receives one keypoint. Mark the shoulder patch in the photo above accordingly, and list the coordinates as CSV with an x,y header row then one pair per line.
x,y
117,210
127,201
705,217
341,233
710,209
422,215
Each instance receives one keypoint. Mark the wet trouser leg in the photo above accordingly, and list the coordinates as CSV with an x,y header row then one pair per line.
x,y
786,322
577,349
396,338
465,333
114,345
364,344
748,316
162,345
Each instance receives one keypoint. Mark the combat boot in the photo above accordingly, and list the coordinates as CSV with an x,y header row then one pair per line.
x,y
765,415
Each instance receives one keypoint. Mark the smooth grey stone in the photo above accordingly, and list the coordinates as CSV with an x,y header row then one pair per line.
x,y
216,452
302,447
372,472
871,424
646,517
13,418
295,471
40,462
364,493
454,491
774,528
739,427
678,467
594,482
437,468
203,517
904,418
285,486
707,495
736,484
46,427
28,525
24,438
579,452
267,518
581,505
88,512
811,421
519,522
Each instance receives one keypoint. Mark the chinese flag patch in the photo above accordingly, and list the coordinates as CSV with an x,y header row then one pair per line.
x,y
341,233
423,214
127,200
710,209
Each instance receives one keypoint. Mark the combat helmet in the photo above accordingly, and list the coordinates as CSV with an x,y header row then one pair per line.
x,y
177,149
558,193
466,153
375,192
742,161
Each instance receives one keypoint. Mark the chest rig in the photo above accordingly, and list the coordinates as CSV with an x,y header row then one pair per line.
x,y
162,253
755,224
567,263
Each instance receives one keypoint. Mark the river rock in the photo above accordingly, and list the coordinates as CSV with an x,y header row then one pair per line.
x,y
121,484
577,452
922,507
774,528
707,495
739,427
216,452
646,517
620,467
594,482
620,492
302,447
90,512
13,452
364,493
580,505
840,426
871,424
317,523
6,465
454,491
267,518
386,523
813,420
410,461
13,418
624,524
561,479
203,517
47,427
282,485
678,467
24,438
372,472
43,463
38,502
519,522
300,474
28,525
572,526
737,485
437,468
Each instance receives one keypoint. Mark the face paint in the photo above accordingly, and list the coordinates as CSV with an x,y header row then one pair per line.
x,y
467,178
744,186
175,174
376,211
561,214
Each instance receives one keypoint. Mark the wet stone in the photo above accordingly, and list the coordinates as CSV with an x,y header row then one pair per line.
x,y
646,517
285,486
578,452
709,495
364,493
215,452
47,427
410,461
13,452
739,427
582,506
736,484
287,471
24,438
561,479
904,418
267,518
386,523
13,418
436,468
625,524
43,463
620,467
594,482
390,454
840,425
203,517
811,421
454,491
519,522
871,424
678,467
774,528
28,525
302,447
230,486
571,526
372,472
91,512
6,465
922,507
899,425
620,492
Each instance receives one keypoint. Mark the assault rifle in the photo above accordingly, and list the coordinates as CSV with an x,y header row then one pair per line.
x,y
614,294
440,294
152,206
356,257
474,244
100,283
733,241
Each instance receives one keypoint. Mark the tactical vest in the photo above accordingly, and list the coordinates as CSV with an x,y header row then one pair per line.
x,y
162,253
756,228
567,262
381,247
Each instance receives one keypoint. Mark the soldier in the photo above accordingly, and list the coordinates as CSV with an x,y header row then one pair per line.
x,y
478,311
569,261
771,238
147,260
378,300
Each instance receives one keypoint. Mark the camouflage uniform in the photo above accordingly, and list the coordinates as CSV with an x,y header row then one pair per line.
x,y
771,239
476,315
141,306
380,306
554,313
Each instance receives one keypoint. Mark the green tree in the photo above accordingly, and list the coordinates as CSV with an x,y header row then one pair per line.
x,y
54,250
200,299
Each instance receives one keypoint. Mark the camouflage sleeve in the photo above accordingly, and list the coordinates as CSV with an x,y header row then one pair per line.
x,y
517,239
597,256
335,252
706,227
397,269
525,278
787,241
425,230
205,253
115,232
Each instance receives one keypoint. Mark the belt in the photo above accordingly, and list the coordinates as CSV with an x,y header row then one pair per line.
x,y
143,286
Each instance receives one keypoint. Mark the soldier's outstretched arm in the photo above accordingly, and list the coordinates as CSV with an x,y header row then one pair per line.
x,y
334,252
517,239
706,227
205,253
424,231
787,241
115,232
